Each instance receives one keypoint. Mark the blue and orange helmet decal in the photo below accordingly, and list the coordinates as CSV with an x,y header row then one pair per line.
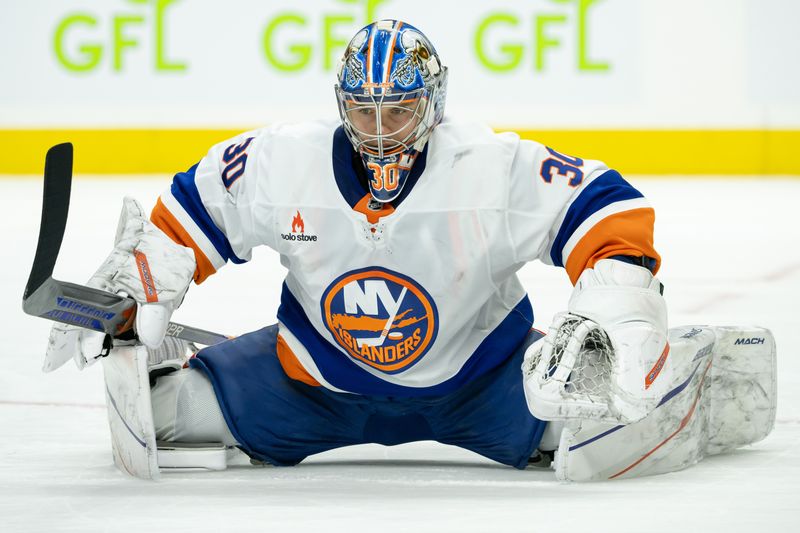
x,y
390,63
388,56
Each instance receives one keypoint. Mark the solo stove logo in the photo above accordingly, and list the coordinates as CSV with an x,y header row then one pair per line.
x,y
298,233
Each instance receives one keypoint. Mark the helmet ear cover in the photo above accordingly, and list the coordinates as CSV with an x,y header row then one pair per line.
x,y
390,92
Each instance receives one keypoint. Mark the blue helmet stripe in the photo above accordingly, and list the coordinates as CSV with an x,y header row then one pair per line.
x,y
379,55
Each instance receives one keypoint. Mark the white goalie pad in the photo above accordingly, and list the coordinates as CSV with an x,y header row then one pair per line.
x,y
723,396
130,415
744,388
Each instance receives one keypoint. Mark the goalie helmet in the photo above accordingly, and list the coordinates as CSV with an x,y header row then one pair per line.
x,y
391,90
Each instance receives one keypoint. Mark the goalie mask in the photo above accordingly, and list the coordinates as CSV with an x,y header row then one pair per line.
x,y
391,90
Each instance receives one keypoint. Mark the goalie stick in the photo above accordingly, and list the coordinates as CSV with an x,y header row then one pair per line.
x,y
71,303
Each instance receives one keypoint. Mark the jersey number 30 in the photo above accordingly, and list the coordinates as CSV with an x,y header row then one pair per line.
x,y
562,165
235,157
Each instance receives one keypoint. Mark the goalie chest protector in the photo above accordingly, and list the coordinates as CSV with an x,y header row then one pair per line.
x,y
415,302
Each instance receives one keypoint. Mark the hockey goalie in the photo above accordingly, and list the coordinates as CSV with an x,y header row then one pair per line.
x,y
401,317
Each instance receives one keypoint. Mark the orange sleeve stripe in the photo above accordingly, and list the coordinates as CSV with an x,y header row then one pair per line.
x,y
627,233
292,366
166,222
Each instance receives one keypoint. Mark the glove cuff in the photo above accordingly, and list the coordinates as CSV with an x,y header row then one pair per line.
x,y
615,292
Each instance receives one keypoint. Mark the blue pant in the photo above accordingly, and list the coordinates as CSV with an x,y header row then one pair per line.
x,y
282,421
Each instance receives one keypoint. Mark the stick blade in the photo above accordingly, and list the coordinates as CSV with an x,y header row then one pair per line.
x,y
55,208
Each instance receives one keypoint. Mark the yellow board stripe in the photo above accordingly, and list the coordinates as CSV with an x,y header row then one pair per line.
x,y
657,152
668,152
131,151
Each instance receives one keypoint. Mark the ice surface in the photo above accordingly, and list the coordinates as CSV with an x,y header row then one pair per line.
x,y
730,249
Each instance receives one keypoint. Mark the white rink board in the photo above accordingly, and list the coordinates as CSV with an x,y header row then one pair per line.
x,y
730,257
536,64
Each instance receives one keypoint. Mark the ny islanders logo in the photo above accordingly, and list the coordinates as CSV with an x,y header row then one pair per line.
x,y
381,318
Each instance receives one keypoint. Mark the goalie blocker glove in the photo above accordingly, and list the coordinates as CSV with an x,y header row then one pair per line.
x,y
607,357
146,265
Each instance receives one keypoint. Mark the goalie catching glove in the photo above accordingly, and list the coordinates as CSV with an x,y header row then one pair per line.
x,y
146,265
606,358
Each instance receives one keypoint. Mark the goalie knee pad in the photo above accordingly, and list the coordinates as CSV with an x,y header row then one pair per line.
x,y
185,409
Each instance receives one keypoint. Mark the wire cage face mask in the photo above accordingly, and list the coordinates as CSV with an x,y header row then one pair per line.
x,y
386,124
391,90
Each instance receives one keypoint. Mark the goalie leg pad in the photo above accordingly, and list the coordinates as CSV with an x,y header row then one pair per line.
x,y
185,410
743,394
130,416
723,397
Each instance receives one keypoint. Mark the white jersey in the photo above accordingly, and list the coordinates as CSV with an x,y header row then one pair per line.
x,y
412,300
